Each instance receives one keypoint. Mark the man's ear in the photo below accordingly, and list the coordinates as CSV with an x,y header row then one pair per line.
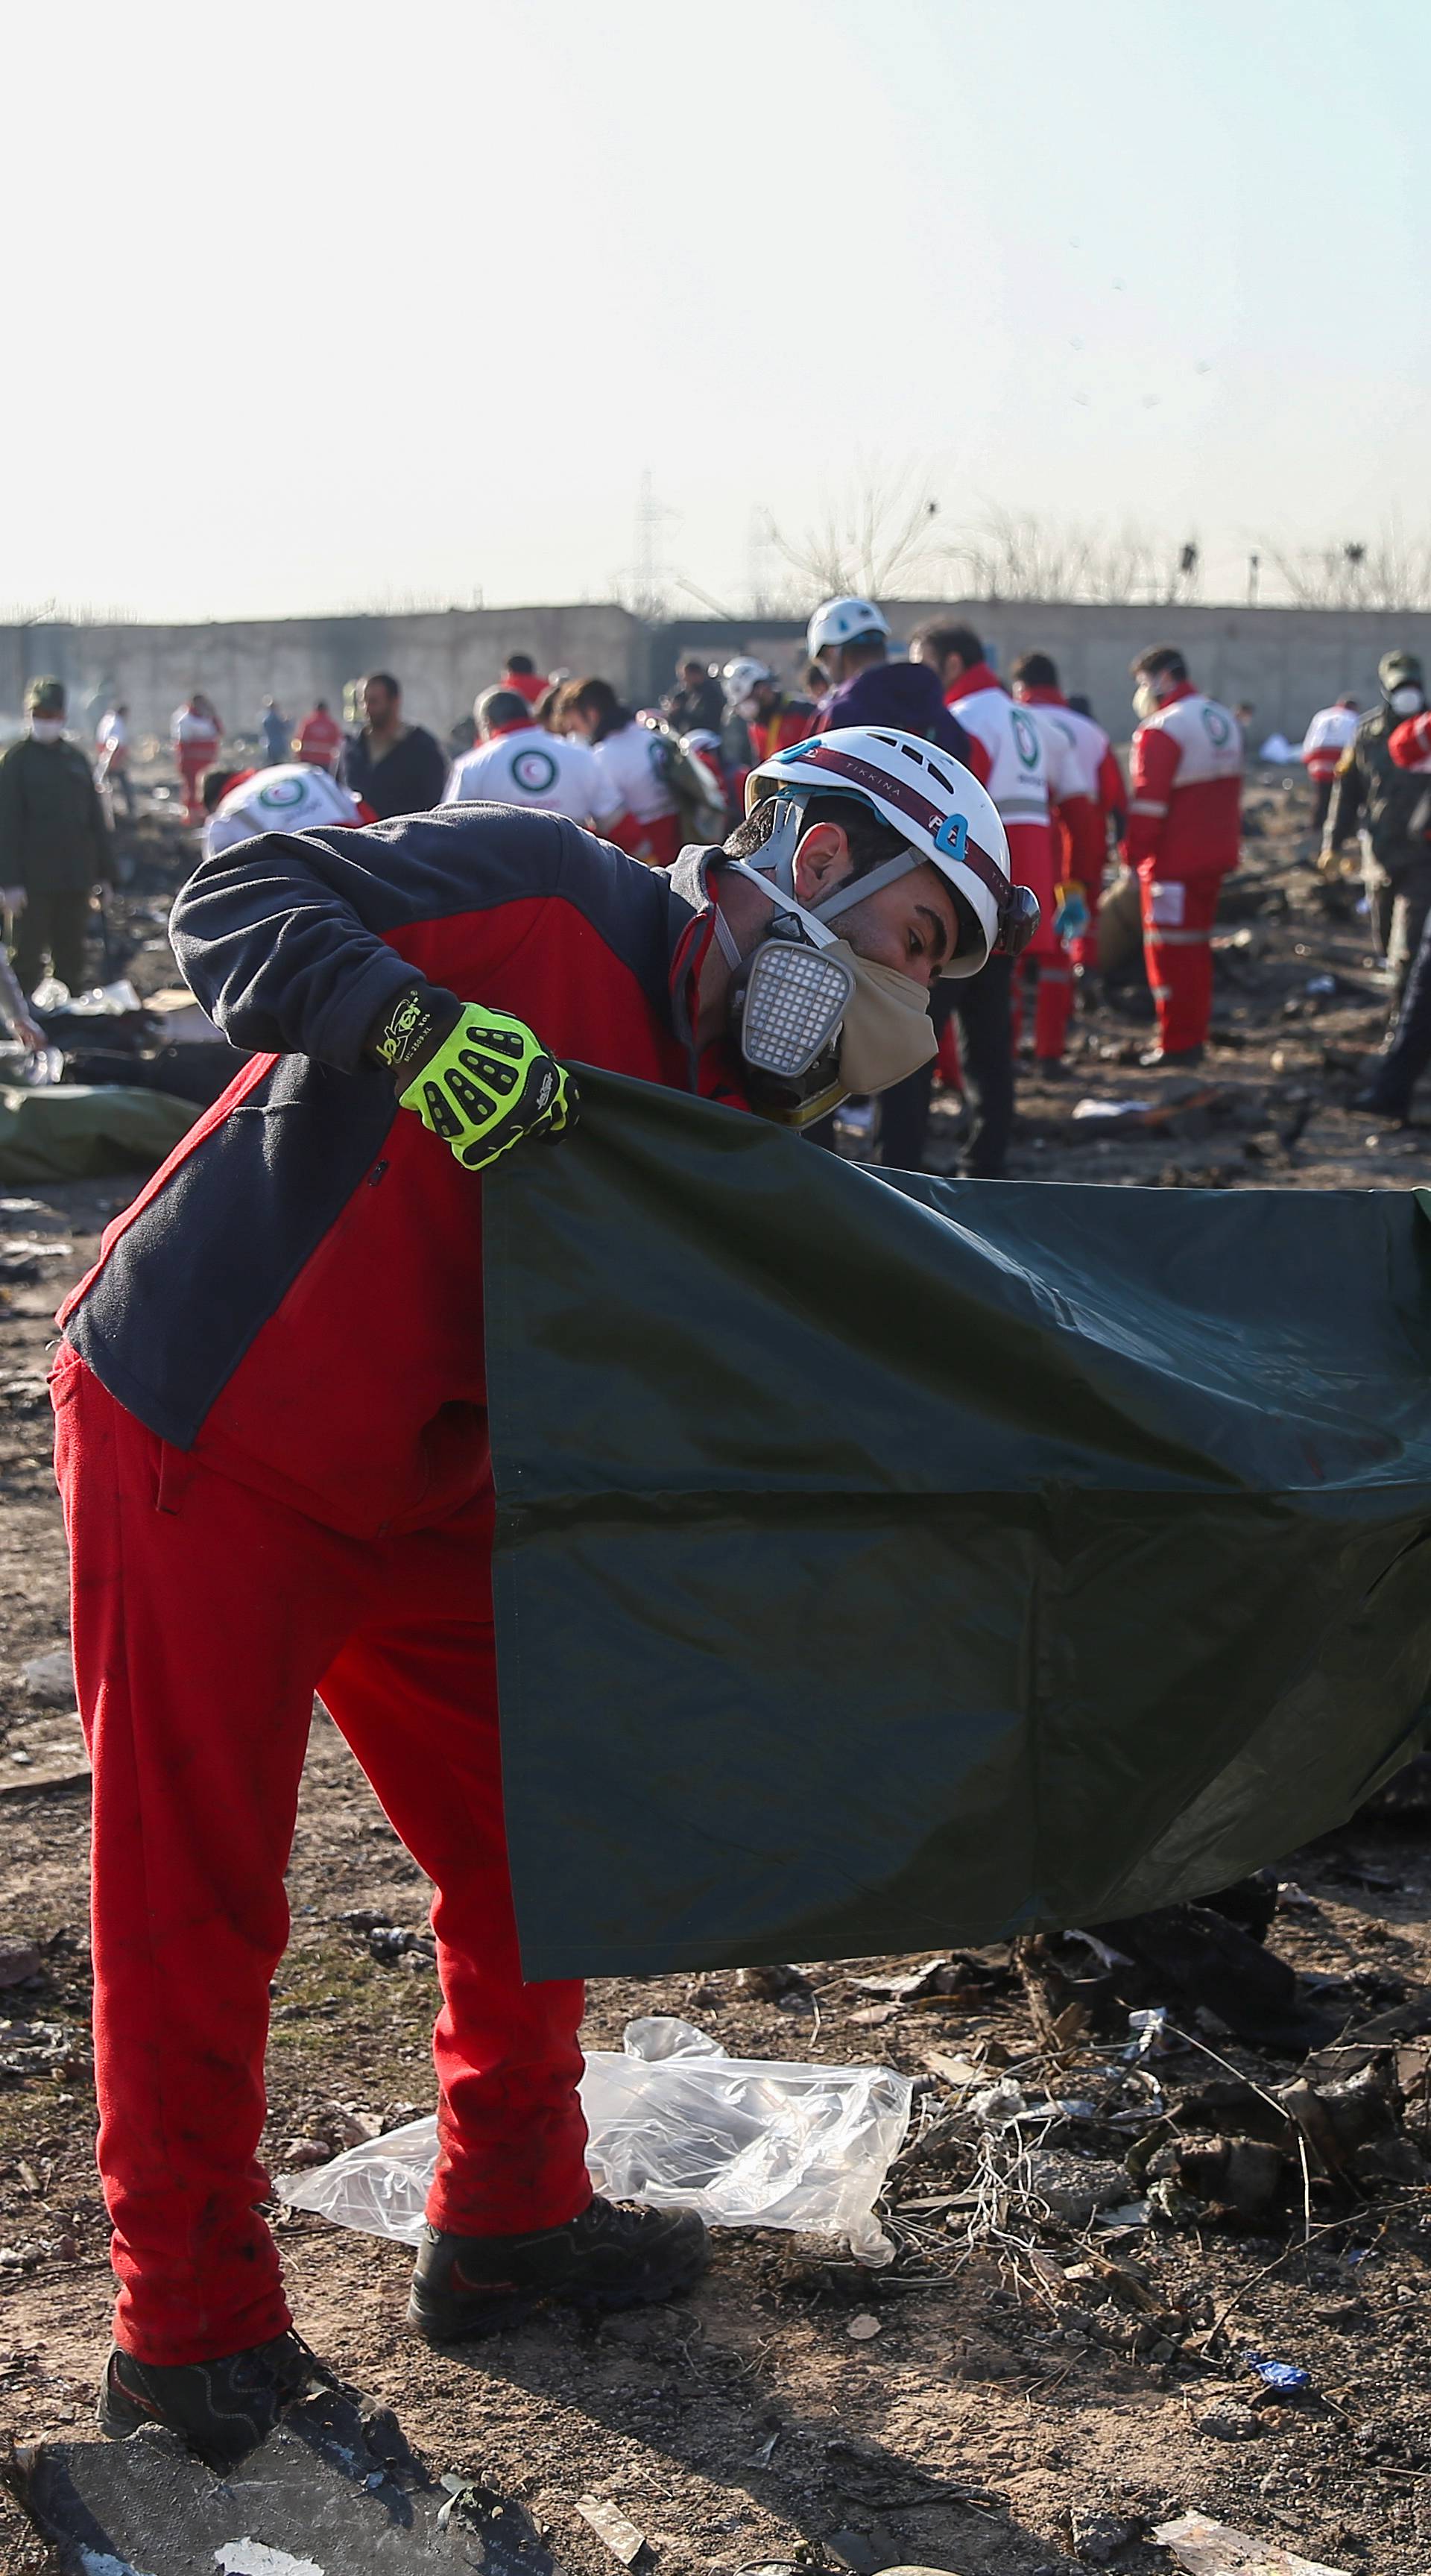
x,y
822,861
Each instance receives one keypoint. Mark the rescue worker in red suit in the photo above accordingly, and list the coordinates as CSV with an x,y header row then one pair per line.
x,y
1184,835
272,1449
1018,782
759,721
319,738
1091,792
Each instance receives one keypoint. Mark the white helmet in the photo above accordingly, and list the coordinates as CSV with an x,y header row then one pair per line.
x,y
741,679
935,804
839,621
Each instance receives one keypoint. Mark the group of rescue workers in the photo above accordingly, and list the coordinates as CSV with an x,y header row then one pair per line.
x,y
651,781
270,1394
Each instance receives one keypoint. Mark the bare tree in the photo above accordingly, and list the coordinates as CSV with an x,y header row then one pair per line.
x,y
1012,555
874,540
1393,572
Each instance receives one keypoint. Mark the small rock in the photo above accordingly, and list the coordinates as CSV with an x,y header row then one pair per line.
x,y
1077,2187
1230,2423
300,2153
19,1962
767,1984
863,2328
354,2128
1097,2535
50,1678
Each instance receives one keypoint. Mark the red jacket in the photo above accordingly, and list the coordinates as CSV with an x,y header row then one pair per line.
x,y
296,1297
1185,809
318,739
793,721
1410,743
530,685
1085,790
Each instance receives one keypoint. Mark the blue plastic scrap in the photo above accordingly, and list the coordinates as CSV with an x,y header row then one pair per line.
x,y
1284,2376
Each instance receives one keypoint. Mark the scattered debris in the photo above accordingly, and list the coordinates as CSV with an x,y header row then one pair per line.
x,y
335,2487
1204,2548
1096,2536
770,1985
621,2537
671,2116
1284,2378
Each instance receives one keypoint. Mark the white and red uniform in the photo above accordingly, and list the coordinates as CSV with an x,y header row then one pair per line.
x,y
1091,790
648,824
1326,738
523,764
1018,782
294,798
319,739
1184,834
196,738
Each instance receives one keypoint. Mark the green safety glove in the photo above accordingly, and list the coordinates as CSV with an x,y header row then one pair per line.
x,y
484,1086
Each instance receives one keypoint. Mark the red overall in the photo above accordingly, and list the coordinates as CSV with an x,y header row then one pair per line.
x,y
1184,831
326,1528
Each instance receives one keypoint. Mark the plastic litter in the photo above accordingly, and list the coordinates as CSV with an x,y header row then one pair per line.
x,y
748,2142
1321,984
1284,2376
1148,2034
101,1002
1111,1111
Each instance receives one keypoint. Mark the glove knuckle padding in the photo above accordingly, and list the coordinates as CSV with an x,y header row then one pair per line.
x,y
491,1083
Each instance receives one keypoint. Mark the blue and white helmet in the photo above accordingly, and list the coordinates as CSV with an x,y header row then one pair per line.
x,y
935,804
839,621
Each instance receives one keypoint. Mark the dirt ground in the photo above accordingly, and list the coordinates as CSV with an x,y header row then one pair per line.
x,y
988,2408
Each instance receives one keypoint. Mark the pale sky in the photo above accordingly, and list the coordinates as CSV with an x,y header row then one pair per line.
x,y
313,308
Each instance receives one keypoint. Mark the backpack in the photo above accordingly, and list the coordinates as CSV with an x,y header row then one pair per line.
x,y
693,780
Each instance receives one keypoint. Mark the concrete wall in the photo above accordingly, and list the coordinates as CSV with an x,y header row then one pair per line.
x,y
1288,661
441,659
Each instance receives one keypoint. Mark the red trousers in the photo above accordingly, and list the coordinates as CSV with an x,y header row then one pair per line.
x,y
194,759
1178,917
205,1617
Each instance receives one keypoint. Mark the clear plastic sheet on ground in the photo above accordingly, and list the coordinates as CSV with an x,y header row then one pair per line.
x,y
748,2142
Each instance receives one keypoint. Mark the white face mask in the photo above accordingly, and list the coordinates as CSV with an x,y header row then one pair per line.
x,y
1407,701
47,728
815,1020
1146,701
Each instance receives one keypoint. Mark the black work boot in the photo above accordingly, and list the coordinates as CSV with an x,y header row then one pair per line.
x,y
615,2255
222,2409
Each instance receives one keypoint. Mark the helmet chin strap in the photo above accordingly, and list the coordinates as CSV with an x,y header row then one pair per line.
x,y
773,872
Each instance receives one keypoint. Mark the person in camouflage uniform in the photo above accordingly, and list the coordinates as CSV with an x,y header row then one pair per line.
x,y
54,843
1392,806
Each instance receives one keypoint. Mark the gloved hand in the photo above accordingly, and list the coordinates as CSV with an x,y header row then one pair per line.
x,y
1072,916
12,900
487,1084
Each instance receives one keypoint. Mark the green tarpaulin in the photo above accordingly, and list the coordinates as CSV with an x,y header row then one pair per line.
x,y
886,1561
75,1131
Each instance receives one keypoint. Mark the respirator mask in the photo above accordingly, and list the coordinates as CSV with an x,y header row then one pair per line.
x,y
47,728
1146,701
1408,700
813,1020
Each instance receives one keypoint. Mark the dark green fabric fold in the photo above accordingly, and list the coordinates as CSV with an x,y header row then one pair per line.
x,y
885,1561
